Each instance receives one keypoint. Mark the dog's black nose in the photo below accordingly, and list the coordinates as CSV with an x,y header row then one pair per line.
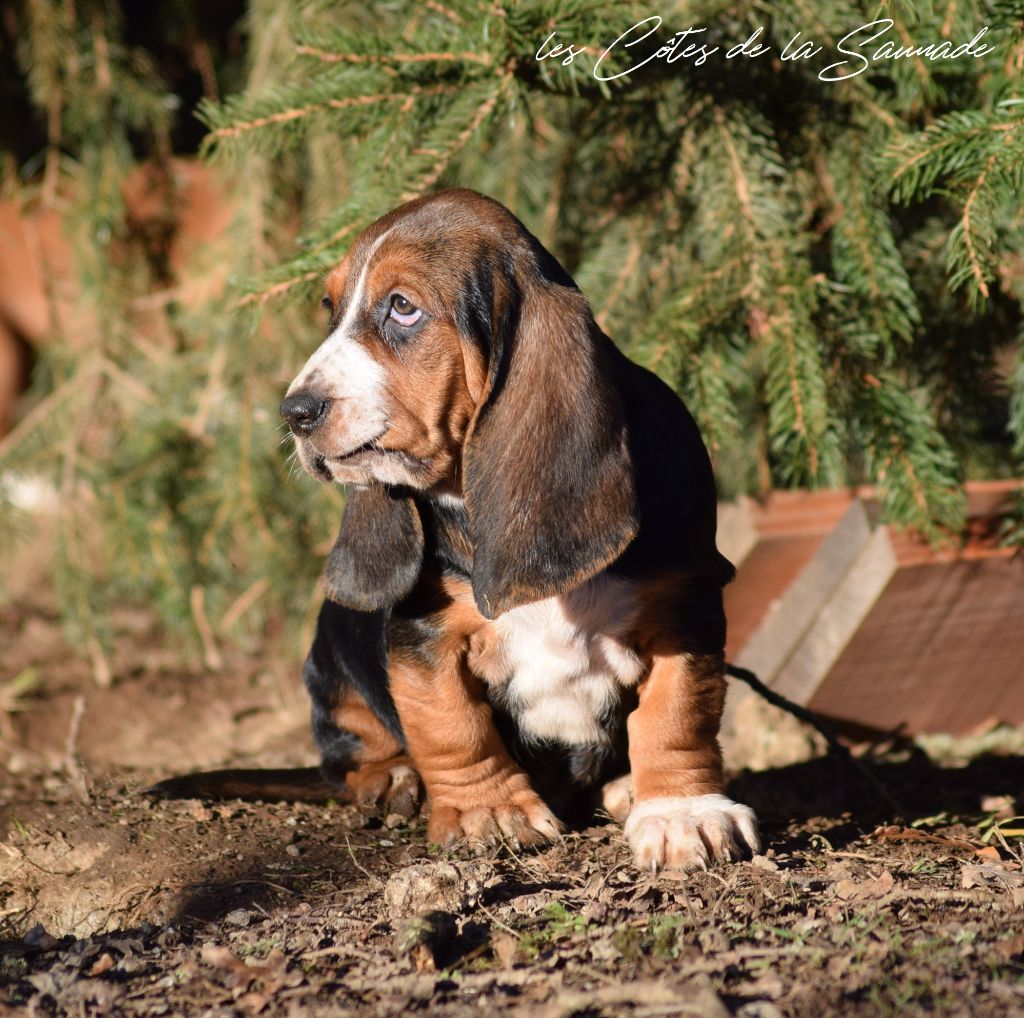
x,y
304,411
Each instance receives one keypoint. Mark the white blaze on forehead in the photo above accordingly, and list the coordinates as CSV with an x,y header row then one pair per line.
x,y
343,367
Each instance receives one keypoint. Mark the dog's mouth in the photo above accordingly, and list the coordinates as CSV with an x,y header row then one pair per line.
x,y
320,463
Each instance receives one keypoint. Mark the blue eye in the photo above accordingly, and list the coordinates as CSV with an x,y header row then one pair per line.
x,y
404,311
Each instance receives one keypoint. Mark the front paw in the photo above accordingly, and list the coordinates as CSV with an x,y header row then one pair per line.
x,y
519,819
690,833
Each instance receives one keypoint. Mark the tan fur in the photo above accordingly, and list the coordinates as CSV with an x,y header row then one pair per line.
x,y
673,744
384,775
673,733
376,742
476,790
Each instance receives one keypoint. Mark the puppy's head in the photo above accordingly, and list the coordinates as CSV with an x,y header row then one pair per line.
x,y
389,394
462,362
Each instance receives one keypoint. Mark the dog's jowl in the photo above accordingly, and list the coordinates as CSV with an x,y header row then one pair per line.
x,y
524,603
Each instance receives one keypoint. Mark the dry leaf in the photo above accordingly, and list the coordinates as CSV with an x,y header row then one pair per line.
x,y
221,958
1010,949
271,972
895,833
252,1003
865,890
104,963
505,948
988,875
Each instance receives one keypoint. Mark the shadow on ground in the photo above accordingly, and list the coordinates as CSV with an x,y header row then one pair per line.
x,y
908,788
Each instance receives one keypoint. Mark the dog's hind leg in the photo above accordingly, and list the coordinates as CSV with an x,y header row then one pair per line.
x,y
355,723
375,770
362,750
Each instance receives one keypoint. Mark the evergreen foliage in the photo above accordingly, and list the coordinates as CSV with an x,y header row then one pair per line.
x,y
831,274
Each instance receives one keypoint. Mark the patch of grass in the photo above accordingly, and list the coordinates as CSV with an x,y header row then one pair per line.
x,y
16,692
1007,827
891,996
562,922
798,938
559,924
259,949
664,936
661,938
629,942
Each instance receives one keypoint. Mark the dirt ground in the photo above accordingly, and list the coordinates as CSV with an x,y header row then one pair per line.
x,y
112,903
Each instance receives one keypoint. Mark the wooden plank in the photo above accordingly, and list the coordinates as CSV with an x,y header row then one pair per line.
x,y
838,619
941,651
771,543
792,612
873,626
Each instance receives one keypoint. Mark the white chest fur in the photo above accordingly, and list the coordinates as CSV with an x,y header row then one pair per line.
x,y
565,660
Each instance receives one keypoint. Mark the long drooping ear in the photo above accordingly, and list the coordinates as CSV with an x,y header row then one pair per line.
x,y
377,558
547,475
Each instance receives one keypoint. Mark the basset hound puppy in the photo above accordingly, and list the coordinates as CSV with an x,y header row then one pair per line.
x,y
524,602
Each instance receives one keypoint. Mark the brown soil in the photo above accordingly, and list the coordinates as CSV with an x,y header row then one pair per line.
x,y
111,903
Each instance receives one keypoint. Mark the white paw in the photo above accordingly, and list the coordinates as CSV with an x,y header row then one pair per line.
x,y
690,833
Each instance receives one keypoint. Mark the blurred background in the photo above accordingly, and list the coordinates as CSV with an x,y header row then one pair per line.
x,y
831,276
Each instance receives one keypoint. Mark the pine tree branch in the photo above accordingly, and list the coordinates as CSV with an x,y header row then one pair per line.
x,y
327,57
629,264
742,190
965,221
278,289
947,21
485,109
239,128
446,12
794,384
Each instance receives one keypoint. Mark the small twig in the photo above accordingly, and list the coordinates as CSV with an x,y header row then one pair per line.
x,y
362,869
243,603
604,880
72,764
937,894
883,860
211,655
497,922
100,665
808,717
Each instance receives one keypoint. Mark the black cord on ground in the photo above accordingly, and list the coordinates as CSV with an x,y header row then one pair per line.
x,y
808,717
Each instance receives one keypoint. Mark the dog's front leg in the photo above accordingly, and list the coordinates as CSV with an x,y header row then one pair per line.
x,y
680,817
475,789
